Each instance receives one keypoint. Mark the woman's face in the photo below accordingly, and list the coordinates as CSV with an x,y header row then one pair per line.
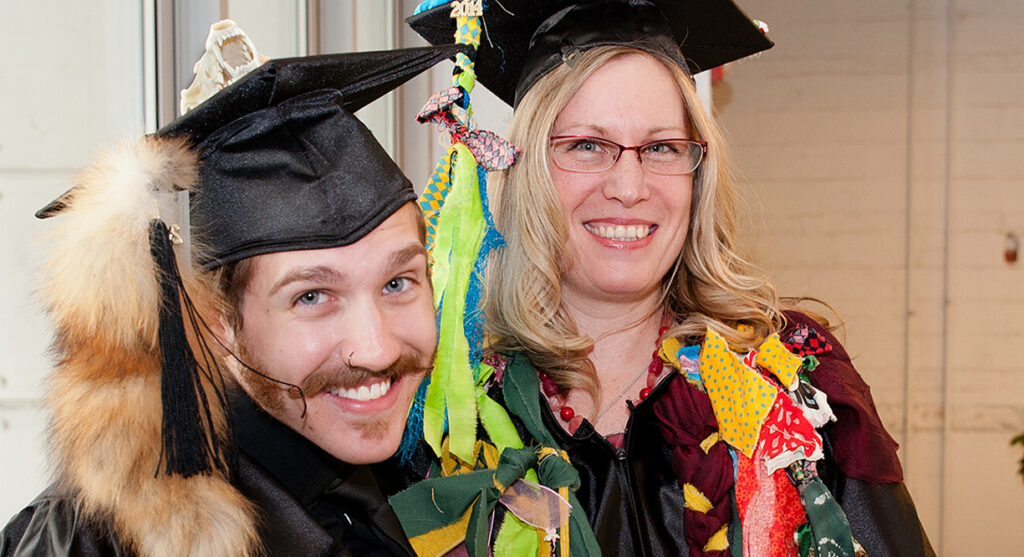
x,y
626,225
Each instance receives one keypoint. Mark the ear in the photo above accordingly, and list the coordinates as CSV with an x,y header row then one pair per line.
x,y
227,337
225,332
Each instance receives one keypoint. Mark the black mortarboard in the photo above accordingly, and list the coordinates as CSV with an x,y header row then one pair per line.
x,y
284,165
525,39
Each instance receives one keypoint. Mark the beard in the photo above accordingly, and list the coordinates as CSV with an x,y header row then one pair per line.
x,y
270,394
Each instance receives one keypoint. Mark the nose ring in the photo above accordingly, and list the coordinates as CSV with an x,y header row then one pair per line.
x,y
348,361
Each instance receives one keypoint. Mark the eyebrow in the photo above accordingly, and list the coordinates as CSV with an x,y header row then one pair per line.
x,y
601,132
403,256
322,273
317,274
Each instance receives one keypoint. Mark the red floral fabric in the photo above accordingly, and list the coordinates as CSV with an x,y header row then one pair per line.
x,y
769,507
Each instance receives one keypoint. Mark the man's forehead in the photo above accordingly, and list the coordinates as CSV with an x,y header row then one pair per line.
x,y
273,271
396,238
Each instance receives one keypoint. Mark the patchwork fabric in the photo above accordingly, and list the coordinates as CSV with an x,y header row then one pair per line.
x,y
787,436
805,341
490,150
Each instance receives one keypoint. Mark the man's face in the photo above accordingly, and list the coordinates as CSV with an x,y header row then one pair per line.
x,y
353,326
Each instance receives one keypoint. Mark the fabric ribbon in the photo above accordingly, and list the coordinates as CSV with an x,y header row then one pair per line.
x,y
748,406
491,150
788,436
451,393
805,341
773,356
521,389
752,414
439,513
460,237
769,507
433,196
740,396
702,465
829,527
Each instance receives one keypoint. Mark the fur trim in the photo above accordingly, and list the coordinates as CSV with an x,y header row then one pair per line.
x,y
101,289
100,278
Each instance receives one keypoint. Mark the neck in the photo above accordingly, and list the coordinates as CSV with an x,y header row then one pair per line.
x,y
624,335
619,329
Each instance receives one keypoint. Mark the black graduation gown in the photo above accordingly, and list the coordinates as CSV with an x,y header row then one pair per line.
x,y
309,503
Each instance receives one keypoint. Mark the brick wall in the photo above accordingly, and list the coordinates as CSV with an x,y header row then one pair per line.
x,y
881,144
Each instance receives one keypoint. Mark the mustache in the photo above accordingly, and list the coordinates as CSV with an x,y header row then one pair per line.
x,y
343,376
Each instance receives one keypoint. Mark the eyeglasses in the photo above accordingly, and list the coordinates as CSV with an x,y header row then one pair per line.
x,y
669,157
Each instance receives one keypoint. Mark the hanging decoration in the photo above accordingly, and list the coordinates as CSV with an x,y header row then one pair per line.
x,y
460,238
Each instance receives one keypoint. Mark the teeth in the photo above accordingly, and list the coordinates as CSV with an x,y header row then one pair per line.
x,y
620,232
364,393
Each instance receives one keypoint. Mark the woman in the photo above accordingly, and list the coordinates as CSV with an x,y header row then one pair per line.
x,y
656,345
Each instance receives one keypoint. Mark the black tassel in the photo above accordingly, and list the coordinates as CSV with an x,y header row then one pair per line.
x,y
190,445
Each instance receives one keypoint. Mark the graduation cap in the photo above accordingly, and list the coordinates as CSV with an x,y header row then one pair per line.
x,y
274,162
525,39
283,162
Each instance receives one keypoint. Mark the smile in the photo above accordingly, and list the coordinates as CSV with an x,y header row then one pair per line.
x,y
619,232
364,393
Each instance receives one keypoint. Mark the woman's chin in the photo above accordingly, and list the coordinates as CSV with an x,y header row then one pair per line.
x,y
625,289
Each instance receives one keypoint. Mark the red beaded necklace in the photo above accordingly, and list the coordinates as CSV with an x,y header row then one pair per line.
x,y
569,416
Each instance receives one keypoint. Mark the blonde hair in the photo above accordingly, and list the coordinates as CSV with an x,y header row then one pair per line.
x,y
711,285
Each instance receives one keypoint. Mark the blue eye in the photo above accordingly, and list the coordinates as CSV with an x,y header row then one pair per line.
x,y
311,298
661,148
587,145
395,285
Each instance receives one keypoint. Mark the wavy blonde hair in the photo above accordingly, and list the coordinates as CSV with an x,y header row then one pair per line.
x,y
711,285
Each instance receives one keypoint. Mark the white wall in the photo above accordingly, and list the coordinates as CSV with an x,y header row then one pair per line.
x,y
73,79
881,143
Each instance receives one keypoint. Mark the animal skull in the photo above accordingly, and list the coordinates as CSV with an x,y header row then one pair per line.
x,y
229,55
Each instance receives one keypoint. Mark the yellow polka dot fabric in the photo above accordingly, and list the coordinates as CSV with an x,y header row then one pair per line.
x,y
740,397
776,358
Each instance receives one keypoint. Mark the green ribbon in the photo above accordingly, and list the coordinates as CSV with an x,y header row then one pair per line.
x,y
438,502
457,242
516,538
810,362
521,388
830,529
804,540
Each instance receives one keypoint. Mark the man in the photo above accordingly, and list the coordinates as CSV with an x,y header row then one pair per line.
x,y
296,261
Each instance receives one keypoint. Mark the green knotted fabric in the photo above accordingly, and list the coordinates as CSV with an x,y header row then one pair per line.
x,y
521,388
437,513
830,530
